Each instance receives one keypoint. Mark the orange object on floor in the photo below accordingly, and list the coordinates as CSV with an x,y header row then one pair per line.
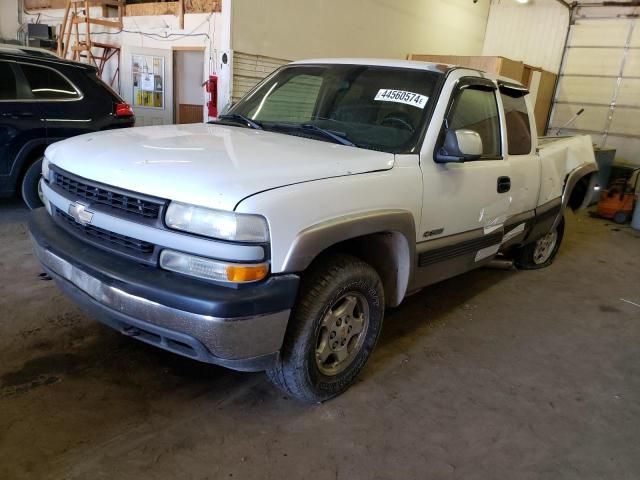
x,y
618,200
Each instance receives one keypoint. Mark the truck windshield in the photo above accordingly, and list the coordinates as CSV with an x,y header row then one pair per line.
x,y
378,108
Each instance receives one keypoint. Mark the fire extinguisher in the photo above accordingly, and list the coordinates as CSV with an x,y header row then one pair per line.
x,y
211,87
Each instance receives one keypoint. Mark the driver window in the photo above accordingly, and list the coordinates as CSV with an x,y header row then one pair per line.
x,y
477,110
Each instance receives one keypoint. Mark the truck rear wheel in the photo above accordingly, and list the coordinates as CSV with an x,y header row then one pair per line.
x,y
541,253
333,329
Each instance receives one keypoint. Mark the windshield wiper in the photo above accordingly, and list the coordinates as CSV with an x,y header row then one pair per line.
x,y
337,137
236,117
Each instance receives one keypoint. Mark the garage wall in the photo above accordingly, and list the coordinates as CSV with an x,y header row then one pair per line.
x,y
533,33
601,73
8,19
249,70
295,29
210,31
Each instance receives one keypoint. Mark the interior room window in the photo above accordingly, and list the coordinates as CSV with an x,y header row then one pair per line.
x,y
294,101
47,84
517,123
477,110
7,82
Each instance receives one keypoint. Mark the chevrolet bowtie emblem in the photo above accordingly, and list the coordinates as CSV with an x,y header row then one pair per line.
x,y
80,213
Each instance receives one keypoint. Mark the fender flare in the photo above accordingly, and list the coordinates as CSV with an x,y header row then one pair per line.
x,y
312,241
573,177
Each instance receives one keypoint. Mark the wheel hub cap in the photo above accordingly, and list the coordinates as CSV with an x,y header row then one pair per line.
x,y
342,333
544,247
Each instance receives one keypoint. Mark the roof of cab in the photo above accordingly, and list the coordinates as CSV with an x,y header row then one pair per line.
x,y
418,65
380,62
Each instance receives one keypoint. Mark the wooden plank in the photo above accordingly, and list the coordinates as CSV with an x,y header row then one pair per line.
x,y
189,49
98,21
181,14
173,8
39,4
51,4
188,113
62,27
544,99
496,65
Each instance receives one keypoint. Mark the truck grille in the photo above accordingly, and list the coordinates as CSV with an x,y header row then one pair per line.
x,y
104,196
114,240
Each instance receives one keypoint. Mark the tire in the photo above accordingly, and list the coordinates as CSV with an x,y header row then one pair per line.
x,y
321,356
529,258
621,218
30,185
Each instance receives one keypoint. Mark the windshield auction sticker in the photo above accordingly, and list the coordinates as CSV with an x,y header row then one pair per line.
x,y
400,96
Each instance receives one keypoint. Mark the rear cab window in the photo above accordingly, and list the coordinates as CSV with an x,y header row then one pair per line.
x,y
517,123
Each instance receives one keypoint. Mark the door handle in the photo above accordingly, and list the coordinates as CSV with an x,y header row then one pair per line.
x,y
504,184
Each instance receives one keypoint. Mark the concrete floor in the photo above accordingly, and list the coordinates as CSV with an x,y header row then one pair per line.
x,y
495,374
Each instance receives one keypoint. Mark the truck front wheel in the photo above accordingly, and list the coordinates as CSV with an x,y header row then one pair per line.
x,y
333,329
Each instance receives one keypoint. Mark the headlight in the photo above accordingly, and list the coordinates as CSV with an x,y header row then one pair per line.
x,y
212,269
220,224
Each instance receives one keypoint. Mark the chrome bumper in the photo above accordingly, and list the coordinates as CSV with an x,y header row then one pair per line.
x,y
227,339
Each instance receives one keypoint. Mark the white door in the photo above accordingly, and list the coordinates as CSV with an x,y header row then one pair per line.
x,y
473,195
465,205
147,75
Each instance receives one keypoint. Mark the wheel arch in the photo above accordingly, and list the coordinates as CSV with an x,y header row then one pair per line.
x,y
579,186
385,239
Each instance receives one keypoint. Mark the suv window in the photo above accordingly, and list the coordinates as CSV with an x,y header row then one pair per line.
x,y
517,124
7,82
477,110
47,84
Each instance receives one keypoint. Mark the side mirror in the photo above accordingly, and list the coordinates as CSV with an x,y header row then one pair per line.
x,y
460,146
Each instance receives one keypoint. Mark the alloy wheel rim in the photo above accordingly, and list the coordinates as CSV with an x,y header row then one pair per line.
x,y
544,247
342,333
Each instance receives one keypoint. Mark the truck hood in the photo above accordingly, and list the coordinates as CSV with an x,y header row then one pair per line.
x,y
214,166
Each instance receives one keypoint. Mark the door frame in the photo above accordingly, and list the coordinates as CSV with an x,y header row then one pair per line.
x,y
175,79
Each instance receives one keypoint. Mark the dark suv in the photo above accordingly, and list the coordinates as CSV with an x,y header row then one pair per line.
x,y
44,99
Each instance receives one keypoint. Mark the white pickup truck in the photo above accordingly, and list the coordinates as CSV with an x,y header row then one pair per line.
x,y
275,237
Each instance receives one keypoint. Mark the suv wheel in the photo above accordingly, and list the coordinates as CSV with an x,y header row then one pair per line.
x,y
541,253
30,188
333,329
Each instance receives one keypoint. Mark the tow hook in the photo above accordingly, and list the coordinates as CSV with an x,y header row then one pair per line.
x,y
44,276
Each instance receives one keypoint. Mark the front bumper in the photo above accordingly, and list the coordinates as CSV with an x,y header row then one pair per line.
x,y
240,328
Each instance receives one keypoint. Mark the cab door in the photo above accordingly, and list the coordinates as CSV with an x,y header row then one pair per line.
x,y
523,160
466,200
